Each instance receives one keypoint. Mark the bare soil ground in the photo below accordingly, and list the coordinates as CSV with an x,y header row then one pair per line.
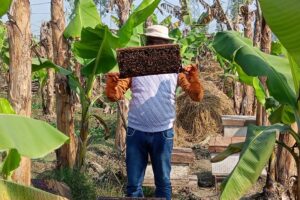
x,y
107,171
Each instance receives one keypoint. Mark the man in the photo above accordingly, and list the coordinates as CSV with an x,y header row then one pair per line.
x,y
151,117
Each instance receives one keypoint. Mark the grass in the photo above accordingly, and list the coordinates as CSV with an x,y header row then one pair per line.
x,y
81,185
109,190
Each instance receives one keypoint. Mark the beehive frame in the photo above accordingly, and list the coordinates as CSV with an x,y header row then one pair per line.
x,y
149,60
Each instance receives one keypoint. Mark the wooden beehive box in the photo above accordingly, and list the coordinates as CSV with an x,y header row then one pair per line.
x,y
181,160
236,125
149,60
218,144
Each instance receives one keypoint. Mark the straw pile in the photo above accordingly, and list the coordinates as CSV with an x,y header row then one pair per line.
x,y
197,120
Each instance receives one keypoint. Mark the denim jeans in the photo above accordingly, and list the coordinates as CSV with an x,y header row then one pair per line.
x,y
159,146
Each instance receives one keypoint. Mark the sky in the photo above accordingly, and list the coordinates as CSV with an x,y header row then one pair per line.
x,y
40,12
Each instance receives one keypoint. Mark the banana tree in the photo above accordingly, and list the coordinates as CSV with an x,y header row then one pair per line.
x,y
283,81
96,50
23,136
190,44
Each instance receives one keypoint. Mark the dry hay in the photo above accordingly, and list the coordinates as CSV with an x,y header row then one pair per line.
x,y
197,120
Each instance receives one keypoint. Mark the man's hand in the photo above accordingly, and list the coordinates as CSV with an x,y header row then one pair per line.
x,y
190,83
191,72
116,87
113,76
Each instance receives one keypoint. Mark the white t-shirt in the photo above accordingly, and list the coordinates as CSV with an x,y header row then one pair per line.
x,y
152,107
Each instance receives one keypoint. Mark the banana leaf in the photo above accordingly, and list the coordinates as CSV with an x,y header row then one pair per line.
x,y
255,63
254,156
5,5
254,82
231,149
14,191
42,63
186,12
283,114
30,137
24,136
5,107
85,15
98,44
10,163
138,16
283,19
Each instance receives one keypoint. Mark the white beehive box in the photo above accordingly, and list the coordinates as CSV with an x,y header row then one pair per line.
x,y
224,167
236,125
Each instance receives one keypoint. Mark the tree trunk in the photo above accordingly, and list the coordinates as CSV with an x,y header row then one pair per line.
x,y
266,39
238,97
120,138
19,85
257,26
285,165
47,46
123,13
248,106
64,98
248,98
123,10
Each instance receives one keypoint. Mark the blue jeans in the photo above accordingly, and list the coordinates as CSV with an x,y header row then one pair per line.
x,y
159,146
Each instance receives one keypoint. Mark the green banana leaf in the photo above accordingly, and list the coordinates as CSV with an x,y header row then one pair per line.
x,y
138,16
283,114
5,107
254,82
5,5
98,44
10,163
86,15
13,158
255,63
30,137
283,19
21,135
255,154
42,63
167,21
154,19
14,191
231,149
136,39
186,12
176,34
276,48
